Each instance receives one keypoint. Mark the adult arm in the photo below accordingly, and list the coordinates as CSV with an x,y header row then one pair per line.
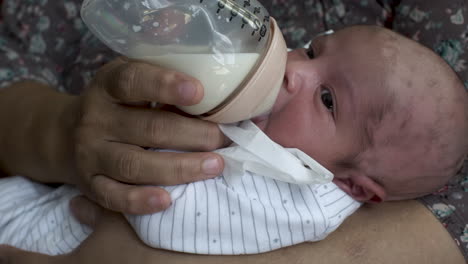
x,y
34,141
396,232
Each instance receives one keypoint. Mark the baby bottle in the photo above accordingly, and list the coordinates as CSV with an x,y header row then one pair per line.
x,y
233,47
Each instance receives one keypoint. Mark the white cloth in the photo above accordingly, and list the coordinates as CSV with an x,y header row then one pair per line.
x,y
209,217
251,214
206,217
254,152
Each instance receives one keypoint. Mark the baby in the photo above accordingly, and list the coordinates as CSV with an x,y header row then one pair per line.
x,y
387,116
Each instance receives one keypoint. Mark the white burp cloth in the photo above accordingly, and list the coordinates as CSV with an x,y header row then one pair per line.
x,y
254,152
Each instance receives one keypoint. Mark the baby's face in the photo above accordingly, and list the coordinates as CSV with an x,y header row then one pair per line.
x,y
325,100
333,106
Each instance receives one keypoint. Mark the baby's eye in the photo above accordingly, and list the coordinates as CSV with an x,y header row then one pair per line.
x,y
327,99
310,52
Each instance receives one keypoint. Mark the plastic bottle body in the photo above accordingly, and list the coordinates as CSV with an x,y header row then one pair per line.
x,y
215,41
219,79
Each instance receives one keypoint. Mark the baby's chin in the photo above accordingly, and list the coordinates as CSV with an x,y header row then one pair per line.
x,y
262,120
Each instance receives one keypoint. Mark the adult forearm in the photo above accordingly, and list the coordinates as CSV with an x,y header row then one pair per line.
x,y
398,232
35,129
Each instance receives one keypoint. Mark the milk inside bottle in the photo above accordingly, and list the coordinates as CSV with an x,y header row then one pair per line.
x,y
220,75
222,43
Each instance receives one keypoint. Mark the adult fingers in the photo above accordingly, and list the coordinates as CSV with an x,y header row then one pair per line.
x,y
85,211
131,164
129,199
163,129
113,241
11,255
136,81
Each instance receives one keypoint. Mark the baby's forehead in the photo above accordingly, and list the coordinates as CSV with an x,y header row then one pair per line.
x,y
385,78
386,73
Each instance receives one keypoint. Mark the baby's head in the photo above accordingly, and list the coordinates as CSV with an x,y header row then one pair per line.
x,y
386,115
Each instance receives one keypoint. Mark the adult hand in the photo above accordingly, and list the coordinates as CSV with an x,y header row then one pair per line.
x,y
115,124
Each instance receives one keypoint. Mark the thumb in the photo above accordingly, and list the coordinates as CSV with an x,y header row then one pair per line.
x,y
11,255
85,211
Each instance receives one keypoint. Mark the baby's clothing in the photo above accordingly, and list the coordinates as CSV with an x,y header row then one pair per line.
x,y
206,217
246,210
209,217
239,212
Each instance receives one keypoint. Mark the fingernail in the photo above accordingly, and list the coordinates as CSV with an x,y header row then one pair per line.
x,y
154,202
159,202
187,92
211,166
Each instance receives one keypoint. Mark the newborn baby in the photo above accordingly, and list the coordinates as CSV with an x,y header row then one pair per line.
x,y
387,116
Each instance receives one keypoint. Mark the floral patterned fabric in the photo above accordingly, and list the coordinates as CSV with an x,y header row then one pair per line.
x,y
45,40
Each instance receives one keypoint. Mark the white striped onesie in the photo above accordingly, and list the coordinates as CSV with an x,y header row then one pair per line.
x,y
206,217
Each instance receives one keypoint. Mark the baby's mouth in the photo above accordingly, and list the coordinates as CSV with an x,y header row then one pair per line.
x,y
262,120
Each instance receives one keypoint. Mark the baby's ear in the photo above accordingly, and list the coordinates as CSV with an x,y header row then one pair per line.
x,y
362,188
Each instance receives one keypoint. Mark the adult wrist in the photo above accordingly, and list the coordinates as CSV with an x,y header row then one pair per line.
x,y
58,146
35,145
